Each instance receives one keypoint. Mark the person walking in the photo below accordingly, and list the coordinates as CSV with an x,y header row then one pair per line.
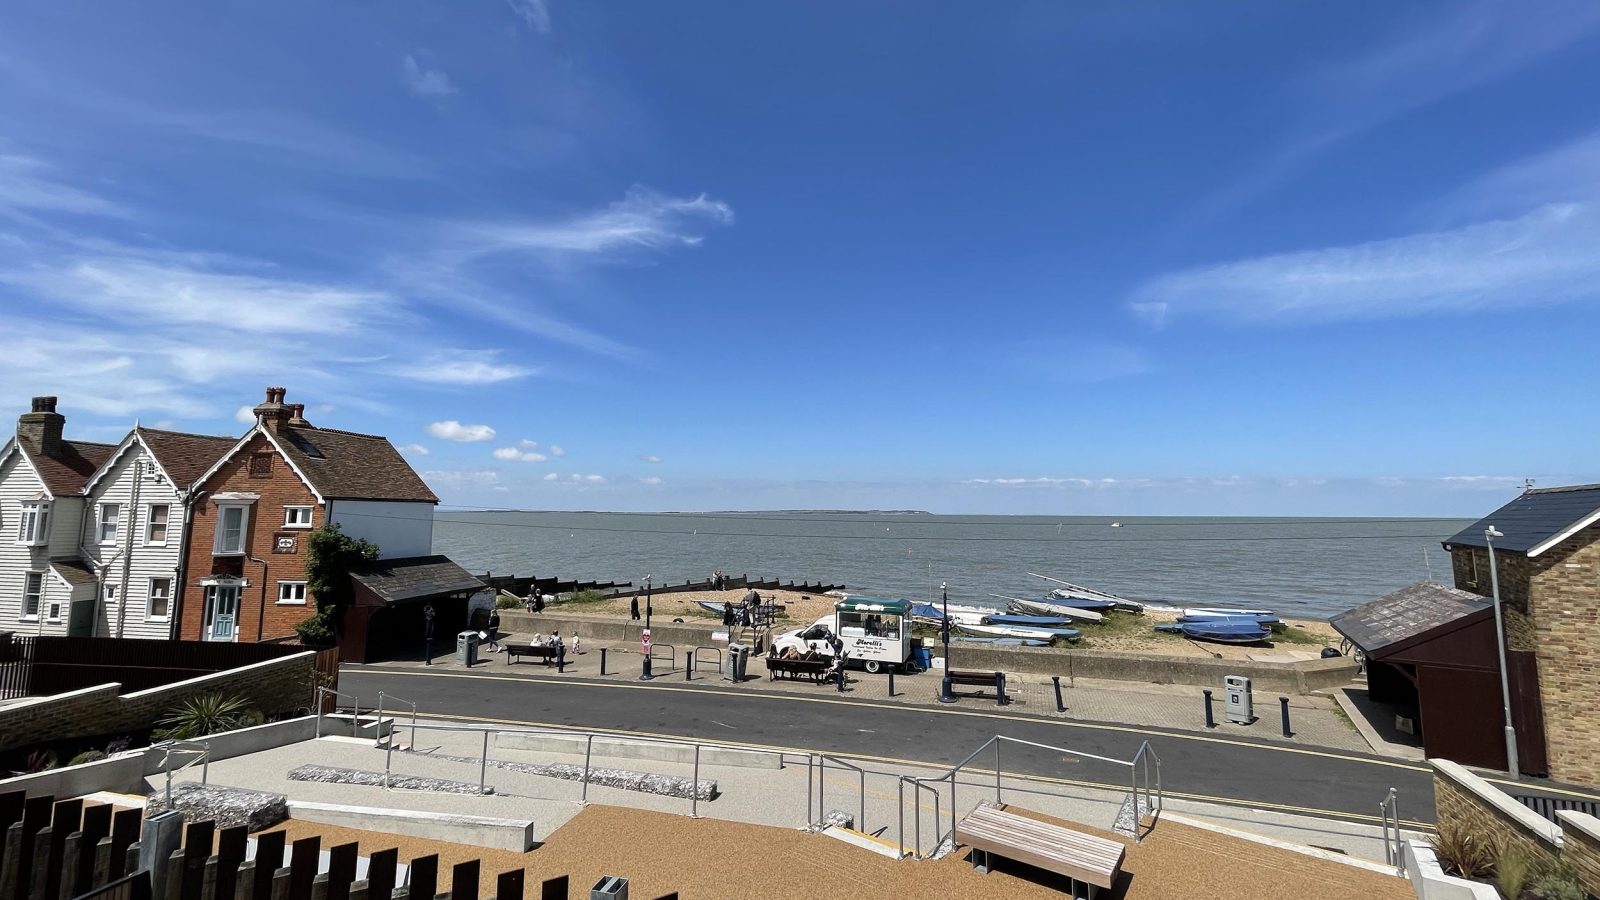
x,y
577,648
494,631
727,613
633,608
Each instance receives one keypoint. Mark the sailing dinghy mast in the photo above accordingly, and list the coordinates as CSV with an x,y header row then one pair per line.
x,y
1091,593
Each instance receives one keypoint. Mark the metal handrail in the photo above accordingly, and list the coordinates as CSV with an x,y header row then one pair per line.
x,y
822,778
694,657
1390,811
355,703
918,787
672,654
1153,801
180,745
378,741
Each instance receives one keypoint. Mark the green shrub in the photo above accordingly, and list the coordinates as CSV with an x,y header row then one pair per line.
x,y
1463,852
1559,882
41,760
506,601
87,756
1511,872
316,631
589,596
205,714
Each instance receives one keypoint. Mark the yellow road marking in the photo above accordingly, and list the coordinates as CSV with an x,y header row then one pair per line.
x,y
1073,723
922,764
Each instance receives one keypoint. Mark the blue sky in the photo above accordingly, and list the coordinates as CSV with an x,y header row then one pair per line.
x,y
1122,258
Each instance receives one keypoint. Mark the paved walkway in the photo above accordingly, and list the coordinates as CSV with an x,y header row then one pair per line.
x,y
1315,721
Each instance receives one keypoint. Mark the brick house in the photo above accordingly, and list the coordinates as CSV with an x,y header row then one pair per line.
x,y
246,559
1548,564
46,587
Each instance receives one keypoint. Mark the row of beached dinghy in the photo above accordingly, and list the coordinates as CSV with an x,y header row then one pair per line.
x,y
1058,615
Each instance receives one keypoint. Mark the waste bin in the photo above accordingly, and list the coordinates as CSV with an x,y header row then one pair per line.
x,y
609,887
467,648
738,662
1238,703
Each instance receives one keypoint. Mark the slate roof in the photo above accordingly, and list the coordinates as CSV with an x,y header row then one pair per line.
x,y
1536,520
185,457
75,571
344,465
1405,614
415,578
65,473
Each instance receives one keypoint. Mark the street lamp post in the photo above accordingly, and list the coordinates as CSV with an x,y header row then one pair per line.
x,y
946,695
644,642
1489,534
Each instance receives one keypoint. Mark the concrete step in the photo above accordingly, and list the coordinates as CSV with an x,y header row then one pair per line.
x,y
867,841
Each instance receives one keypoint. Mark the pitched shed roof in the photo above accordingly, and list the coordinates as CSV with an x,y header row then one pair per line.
x,y
74,571
344,465
66,471
415,578
1398,617
185,457
1537,520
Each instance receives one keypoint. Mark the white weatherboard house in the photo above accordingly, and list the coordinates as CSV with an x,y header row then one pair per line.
x,y
46,587
137,510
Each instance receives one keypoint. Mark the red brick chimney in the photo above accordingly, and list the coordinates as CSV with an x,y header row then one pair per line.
x,y
273,412
297,415
42,427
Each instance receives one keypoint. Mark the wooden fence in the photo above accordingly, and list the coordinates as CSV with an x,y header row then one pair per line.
x,y
45,664
62,849
521,586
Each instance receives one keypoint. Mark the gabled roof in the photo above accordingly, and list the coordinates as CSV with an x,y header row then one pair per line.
x,y
1382,625
66,472
344,465
415,578
1537,520
184,457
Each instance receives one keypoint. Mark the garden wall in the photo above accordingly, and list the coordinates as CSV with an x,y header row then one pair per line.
x,y
1581,847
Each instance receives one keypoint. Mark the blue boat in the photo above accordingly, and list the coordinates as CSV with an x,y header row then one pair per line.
x,y
921,610
1062,598
1266,621
1001,641
1029,621
1220,631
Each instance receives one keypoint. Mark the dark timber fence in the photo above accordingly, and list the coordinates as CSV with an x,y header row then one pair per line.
x,y
521,586
44,664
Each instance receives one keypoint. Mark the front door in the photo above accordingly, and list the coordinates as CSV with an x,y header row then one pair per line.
x,y
222,613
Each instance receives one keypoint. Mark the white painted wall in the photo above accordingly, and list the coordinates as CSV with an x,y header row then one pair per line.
x,y
18,483
399,529
145,561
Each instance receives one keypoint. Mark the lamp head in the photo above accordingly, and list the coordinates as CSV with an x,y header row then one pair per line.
x,y
1491,532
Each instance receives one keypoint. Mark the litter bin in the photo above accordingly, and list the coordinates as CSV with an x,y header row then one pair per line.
x,y
738,662
467,648
609,887
1238,704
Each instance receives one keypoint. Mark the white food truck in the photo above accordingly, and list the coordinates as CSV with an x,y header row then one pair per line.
x,y
876,633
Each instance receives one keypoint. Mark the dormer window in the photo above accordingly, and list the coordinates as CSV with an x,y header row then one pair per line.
x,y
33,526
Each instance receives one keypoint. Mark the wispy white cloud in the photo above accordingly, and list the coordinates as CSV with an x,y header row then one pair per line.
x,y
452,430
534,13
551,476
650,479
518,454
649,458
527,444
460,476
587,479
1546,256
642,219
414,450
26,184
464,367
1053,482
1566,173
245,415
430,84
557,451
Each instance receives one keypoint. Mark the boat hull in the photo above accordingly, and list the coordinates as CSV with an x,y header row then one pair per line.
x,y
1056,609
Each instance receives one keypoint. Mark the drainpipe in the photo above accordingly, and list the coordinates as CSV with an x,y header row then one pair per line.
x,y
127,547
179,589
261,618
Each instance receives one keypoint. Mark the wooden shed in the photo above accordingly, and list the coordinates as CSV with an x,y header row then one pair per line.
x,y
387,618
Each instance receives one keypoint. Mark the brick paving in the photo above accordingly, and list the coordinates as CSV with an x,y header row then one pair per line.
x,y
1313,719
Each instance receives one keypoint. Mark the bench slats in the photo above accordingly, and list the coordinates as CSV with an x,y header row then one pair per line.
x,y
1084,857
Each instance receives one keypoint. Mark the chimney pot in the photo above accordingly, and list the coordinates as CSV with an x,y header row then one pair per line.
x,y
42,426
273,413
44,404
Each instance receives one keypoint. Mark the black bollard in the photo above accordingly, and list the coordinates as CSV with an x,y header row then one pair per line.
x,y
602,660
1210,722
891,681
1000,698
561,659
645,673
1283,702
841,679
1060,706
689,669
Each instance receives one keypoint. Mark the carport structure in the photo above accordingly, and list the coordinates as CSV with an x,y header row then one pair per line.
x,y
1431,648
387,617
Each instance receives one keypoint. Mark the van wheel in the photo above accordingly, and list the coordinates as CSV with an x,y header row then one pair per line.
x,y
873,666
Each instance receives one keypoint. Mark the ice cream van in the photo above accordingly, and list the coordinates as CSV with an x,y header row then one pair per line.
x,y
876,633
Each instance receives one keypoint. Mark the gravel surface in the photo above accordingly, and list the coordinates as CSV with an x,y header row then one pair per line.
x,y
336,775
624,779
226,806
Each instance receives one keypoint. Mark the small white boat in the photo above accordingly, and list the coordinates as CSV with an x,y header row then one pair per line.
x,y
1216,612
1056,609
1019,631
1116,524
1078,590
966,614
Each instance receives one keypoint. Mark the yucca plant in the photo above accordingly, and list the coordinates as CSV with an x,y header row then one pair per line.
x,y
205,714
1465,853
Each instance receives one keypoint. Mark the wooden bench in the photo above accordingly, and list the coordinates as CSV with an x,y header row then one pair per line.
x,y
537,651
995,681
1090,862
813,669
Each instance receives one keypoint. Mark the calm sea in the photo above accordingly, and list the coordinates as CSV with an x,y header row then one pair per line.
x,y
1298,567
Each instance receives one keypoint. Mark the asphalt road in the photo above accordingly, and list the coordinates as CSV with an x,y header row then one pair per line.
x,y
1280,777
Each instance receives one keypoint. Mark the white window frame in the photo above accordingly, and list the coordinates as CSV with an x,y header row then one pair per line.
x,y
150,521
284,586
109,592
33,524
150,596
217,548
38,596
289,517
115,511
1472,566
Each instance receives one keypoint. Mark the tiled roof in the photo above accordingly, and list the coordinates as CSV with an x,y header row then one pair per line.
x,y
343,465
66,472
1534,518
415,578
1404,614
75,571
185,457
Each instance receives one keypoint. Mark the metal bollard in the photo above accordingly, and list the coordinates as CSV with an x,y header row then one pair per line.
x,y
891,681
1000,698
602,660
561,659
841,679
1060,706
688,670
1283,703
645,673
1211,722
